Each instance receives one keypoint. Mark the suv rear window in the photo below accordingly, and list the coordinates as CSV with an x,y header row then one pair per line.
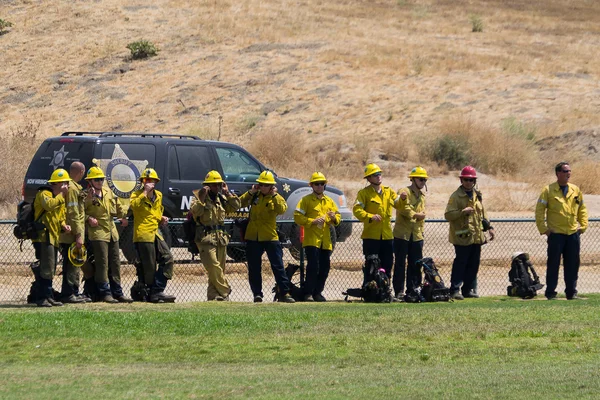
x,y
237,165
57,154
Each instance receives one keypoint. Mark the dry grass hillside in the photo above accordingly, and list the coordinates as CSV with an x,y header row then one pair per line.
x,y
319,84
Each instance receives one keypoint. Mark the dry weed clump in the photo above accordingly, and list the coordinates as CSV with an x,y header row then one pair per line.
x,y
586,175
282,151
16,151
511,197
493,151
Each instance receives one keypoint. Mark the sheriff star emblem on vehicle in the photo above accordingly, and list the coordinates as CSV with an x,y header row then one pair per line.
x,y
286,188
122,174
59,158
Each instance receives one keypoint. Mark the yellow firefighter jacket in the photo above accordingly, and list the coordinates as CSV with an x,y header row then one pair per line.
x,y
263,214
368,203
147,215
406,224
53,219
560,213
103,209
75,213
310,208
465,229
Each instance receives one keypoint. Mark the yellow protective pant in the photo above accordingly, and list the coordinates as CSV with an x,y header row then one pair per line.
x,y
213,258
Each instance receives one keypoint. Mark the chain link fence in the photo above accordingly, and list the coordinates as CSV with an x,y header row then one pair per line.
x,y
190,278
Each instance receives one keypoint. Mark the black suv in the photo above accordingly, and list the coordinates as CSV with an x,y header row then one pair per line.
x,y
181,162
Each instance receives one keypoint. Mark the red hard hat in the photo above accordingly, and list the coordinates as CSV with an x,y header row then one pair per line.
x,y
468,172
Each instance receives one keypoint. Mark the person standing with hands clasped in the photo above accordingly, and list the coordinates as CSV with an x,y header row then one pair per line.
x,y
146,205
562,216
261,235
468,222
317,212
408,233
374,207
209,208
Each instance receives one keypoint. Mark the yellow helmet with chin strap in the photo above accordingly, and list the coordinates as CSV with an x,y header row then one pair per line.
x,y
212,177
59,175
418,172
149,173
318,177
94,173
371,169
77,256
267,178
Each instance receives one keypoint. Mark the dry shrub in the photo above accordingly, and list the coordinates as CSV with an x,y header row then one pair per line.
x,y
282,151
586,175
511,197
490,150
16,151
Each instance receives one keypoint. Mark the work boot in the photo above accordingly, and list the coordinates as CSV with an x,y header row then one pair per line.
x,y
161,297
471,295
72,299
221,298
319,298
258,299
85,298
287,298
108,299
123,299
43,303
54,303
308,297
398,298
457,296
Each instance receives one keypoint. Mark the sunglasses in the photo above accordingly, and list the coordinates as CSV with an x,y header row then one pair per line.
x,y
468,179
264,185
422,179
318,183
376,174
98,179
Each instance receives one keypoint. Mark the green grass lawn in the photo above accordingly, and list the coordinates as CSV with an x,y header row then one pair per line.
x,y
485,348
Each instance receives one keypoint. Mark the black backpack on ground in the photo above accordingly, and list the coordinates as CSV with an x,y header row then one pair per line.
x,y
189,229
524,281
27,227
376,287
296,285
433,288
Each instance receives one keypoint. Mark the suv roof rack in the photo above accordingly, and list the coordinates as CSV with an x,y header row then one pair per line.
x,y
134,134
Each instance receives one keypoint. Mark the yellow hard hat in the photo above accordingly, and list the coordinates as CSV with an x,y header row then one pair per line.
x,y
59,175
212,177
149,173
371,169
78,257
267,178
94,173
418,172
318,177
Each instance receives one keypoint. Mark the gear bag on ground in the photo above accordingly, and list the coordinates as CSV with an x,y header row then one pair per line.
x,y
524,281
376,286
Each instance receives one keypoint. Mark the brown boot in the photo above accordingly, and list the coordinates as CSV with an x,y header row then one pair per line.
x,y
123,299
108,299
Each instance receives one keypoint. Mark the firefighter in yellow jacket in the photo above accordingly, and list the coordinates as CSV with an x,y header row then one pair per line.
x,y
468,222
209,208
146,205
74,218
100,208
317,212
49,207
408,233
562,216
374,207
261,235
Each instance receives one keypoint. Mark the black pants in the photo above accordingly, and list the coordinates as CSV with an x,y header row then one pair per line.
x,y
465,268
568,247
384,249
149,255
317,269
414,251
254,252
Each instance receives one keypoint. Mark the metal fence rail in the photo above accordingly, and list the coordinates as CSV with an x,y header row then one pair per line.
x,y
190,279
